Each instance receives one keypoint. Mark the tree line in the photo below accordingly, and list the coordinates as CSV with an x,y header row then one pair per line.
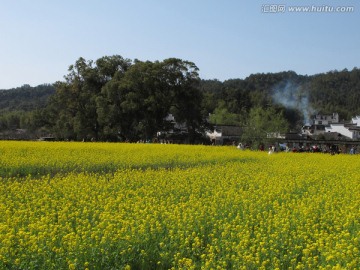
x,y
117,99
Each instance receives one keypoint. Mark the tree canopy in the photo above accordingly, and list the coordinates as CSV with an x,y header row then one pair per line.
x,y
117,99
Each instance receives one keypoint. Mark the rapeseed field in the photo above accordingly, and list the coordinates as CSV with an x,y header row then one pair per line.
x,y
147,206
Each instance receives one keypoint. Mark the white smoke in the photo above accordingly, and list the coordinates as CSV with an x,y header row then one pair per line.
x,y
294,96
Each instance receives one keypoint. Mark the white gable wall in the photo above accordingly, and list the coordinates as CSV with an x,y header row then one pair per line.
x,y
340,128
356,120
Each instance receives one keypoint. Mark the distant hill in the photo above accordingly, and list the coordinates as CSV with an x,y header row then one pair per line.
x,y
25,98
298,96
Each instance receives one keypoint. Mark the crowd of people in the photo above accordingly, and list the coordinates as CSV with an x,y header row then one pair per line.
x,y
331,149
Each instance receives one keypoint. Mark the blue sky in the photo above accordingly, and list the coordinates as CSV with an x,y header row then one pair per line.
x,y
226,39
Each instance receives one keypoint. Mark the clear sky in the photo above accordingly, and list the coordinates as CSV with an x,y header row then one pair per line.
x,y
226,39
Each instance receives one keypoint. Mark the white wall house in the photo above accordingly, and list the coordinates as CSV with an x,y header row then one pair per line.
x,y
352,131
356,120
326,119
224,134
179,126
319,123
313,129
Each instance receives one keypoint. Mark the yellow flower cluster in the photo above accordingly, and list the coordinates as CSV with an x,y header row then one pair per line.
x,y
147,206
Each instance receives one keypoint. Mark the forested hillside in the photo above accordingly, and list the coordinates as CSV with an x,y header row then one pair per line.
x,y
296,96
25,98
114,98
19,106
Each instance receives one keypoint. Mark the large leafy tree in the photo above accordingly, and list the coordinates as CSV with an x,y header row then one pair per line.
x,y
73,108
135,104
186,98
114,98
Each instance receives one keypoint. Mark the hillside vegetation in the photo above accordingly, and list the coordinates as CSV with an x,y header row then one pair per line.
x,y
117,99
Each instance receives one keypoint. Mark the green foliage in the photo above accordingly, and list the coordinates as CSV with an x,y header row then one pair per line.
x,y
263,124
337,91
116,99
25,98
222,116
22,111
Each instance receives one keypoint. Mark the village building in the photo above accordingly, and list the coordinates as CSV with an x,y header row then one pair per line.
x,y
225,135
325,119
350,130
356,120
318,124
